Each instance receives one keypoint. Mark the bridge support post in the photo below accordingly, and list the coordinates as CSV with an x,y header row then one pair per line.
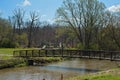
x,y
46,53
111,55
89,52
30,62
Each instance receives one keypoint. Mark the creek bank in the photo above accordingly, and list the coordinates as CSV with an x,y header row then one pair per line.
x,y
112,74
15,62
20,62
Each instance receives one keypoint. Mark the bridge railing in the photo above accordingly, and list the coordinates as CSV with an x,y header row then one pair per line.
x,y
112,55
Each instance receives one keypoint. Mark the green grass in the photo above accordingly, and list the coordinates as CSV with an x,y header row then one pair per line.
x,y
9,51
105,75
6,53
6,50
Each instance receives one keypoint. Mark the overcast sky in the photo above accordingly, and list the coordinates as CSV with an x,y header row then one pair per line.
x,y
46,8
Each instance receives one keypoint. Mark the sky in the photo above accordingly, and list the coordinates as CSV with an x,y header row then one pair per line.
x,y
46,8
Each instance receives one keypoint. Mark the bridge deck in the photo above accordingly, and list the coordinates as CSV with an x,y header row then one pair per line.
x,y
91,54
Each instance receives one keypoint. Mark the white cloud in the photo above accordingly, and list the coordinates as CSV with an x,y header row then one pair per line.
x,y
24,3
114,8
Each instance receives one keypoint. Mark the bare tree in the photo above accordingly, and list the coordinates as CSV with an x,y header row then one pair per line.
x,y
31,24
84,17
19,17
12,21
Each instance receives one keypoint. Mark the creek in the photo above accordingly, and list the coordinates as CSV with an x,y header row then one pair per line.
x,y
53,71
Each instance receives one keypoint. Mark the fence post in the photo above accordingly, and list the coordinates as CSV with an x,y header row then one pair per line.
x,y
89,52
39,52
100,55
26,53
61,76
32,53
46,52
111,55
20,54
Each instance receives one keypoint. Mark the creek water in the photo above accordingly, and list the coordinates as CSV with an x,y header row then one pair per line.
x,y
54,71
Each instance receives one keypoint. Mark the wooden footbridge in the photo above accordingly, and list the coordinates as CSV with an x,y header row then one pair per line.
x,y
91,54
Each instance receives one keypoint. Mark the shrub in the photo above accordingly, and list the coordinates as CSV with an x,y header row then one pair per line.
x,y
11,63
6,43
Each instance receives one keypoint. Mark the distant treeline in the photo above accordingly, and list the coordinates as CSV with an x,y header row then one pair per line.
x,y
42,35
54,35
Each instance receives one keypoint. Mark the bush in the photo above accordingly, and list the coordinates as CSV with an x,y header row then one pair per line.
x,y
6,43
11,63
80,46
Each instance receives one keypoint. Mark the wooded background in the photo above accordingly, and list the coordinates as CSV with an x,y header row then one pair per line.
x,y
82,24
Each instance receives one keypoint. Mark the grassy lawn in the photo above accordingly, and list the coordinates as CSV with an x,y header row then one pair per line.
x,y
9,51
105,75
6,53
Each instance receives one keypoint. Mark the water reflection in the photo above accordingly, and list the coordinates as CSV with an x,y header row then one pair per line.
x,y
69,69
53,71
